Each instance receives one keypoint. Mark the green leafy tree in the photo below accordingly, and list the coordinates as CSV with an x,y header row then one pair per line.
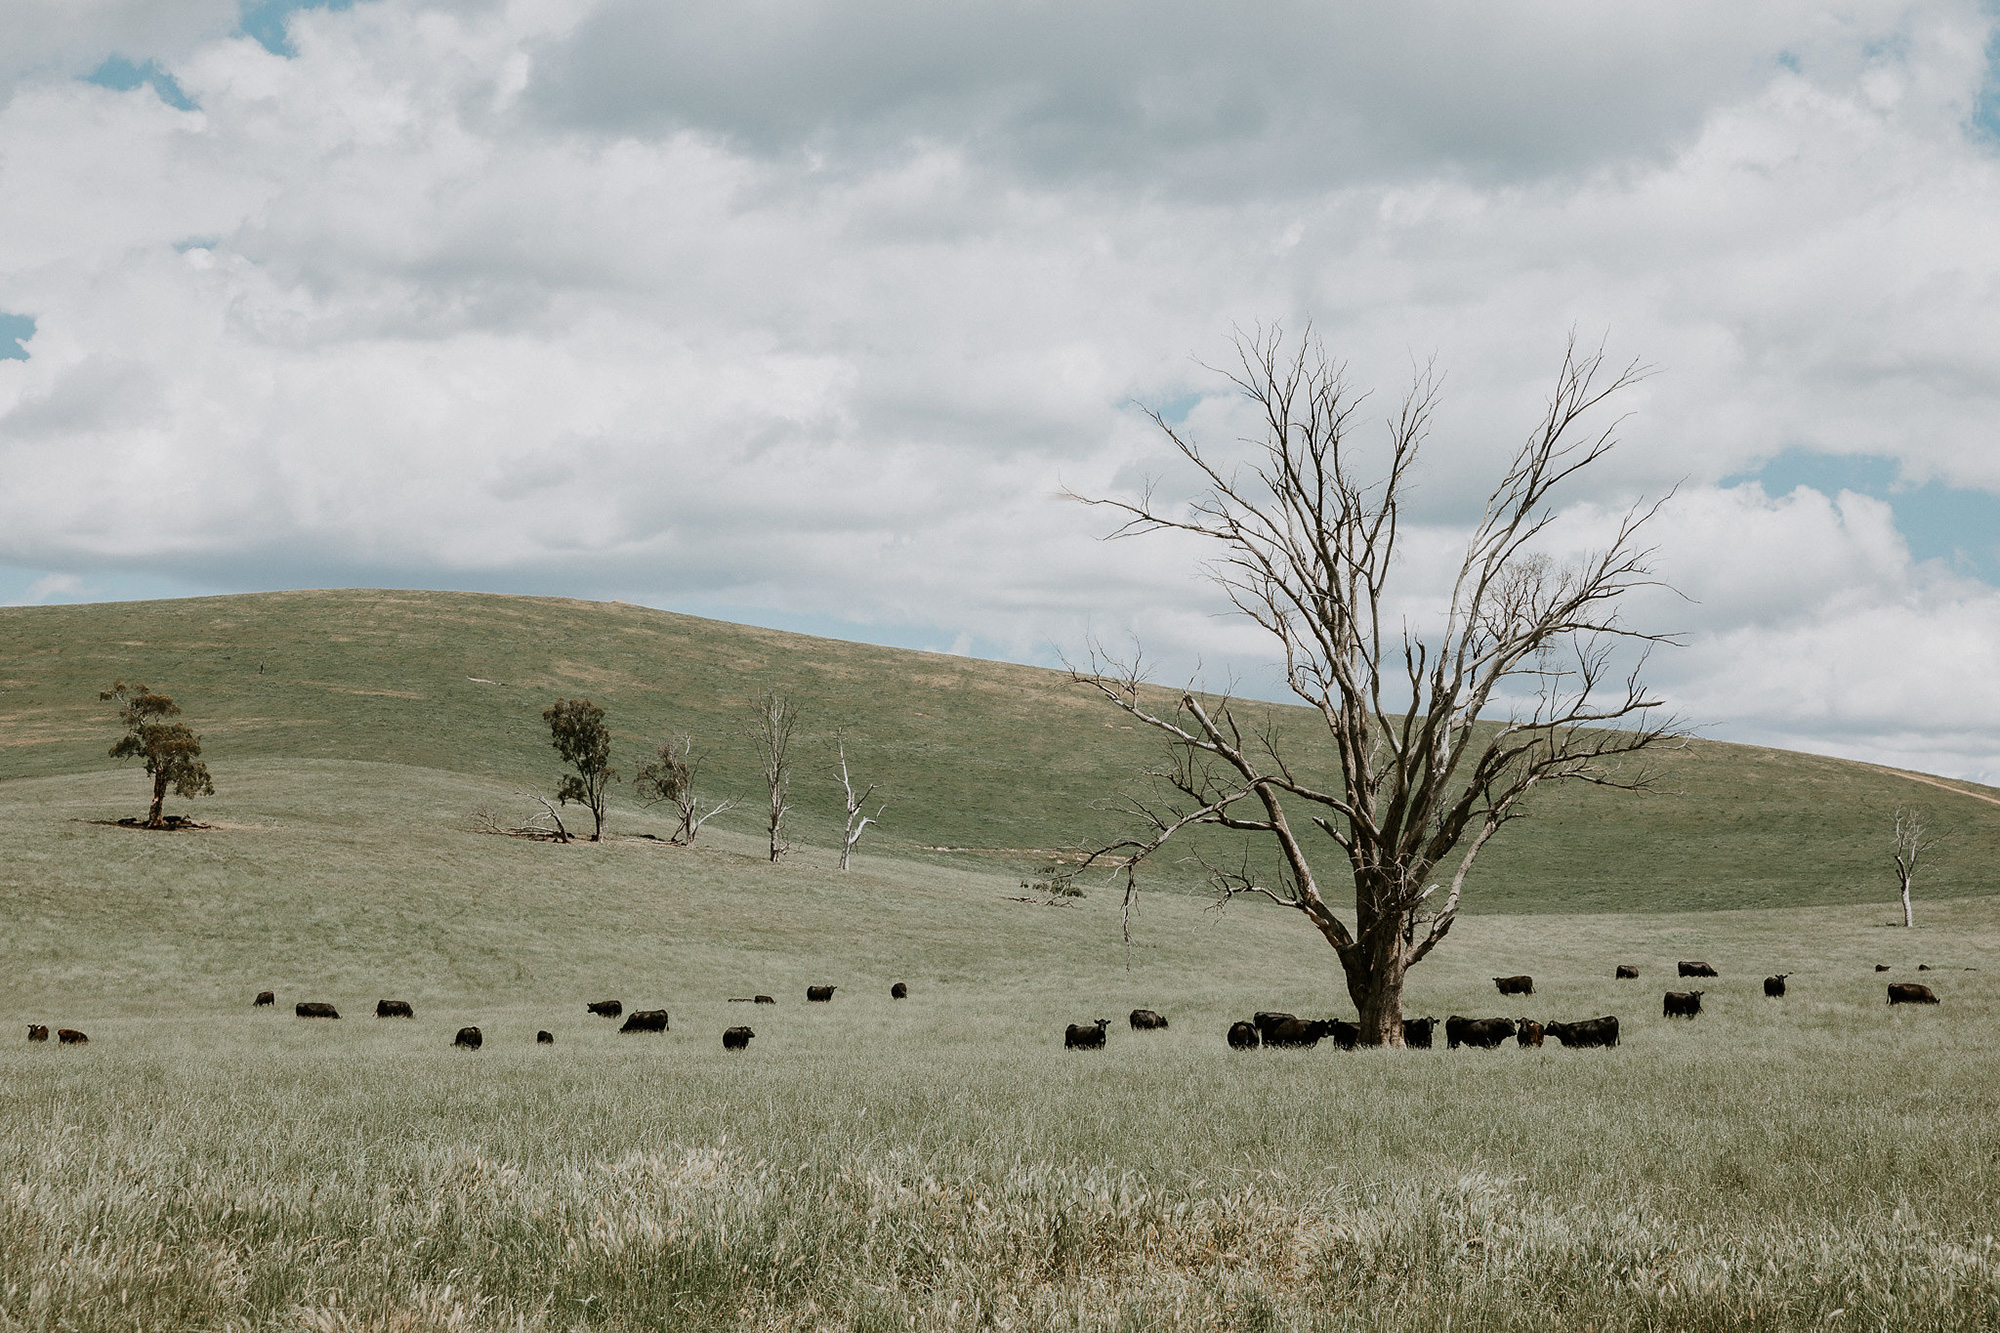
x,y
170,751
577,730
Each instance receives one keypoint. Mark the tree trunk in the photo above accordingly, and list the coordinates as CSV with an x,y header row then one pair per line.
x,y
1909,919
1375,968
160,798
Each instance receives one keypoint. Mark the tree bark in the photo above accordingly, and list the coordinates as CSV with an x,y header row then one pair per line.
x,y
1909,917
153,819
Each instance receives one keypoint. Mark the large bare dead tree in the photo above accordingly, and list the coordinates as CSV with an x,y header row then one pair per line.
x,y
773,720
1306,540
1914,842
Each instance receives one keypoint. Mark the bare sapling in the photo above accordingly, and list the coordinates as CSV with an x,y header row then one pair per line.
x,y
774,721
856,802
1913,842
669,777
1439,729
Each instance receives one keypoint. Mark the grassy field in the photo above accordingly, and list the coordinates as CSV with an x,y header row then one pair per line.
x,y
1823,1161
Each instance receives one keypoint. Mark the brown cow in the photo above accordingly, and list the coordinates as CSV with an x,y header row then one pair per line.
x,y
394,1009
1082,1036
645,1020
1682,1003
1909,992
1528,1032
38,1032
1625,972
70,1037
1244,1036
315,1009
737,1039
1146,1020
820,994
470,1038
264,997
899,991
1515,985
606,1008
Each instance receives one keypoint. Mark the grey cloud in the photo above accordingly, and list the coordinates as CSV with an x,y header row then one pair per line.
x,y
1275,98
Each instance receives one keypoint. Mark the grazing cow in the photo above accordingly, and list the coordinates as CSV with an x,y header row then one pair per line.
x,y
264,997
1084,1036
1418,1032
1774,987
1695,969
820,994
1344,1035
899,991
1298,1033
1266,1019
1923,967
1625,972
1909,992
394,1009
1682,1003
763,999
470,1038
1145,1020
71,1037
1485,1033
737,1039
645,1020
606,1008
1527,1032
1881,967
1589,1032
38,1032
315,1009
1243,1036
545,1038
1515,985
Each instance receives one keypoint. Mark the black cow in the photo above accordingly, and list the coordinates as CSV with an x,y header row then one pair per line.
x,y
645,1020
264,997
1243,1036
1881,967
1695,969
899,991
38,1032
1528,1032
1266,1019
1146,1020
1923,967
70,1037
736,1039
1084,1036
1774,987
1298,1033
820,994
1515,985
315,1009
1343,1034
470,1038
545,1038
1589,1032
1625,972
1418,1032
765,999
1909,992
394,1009
1485,1033
606,1008
1682,1003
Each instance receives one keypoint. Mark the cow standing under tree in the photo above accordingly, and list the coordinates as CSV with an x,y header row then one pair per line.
x,y
1308,550
170,750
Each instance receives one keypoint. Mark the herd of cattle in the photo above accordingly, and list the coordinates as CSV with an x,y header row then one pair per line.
x,y
1271,1028
1267,1028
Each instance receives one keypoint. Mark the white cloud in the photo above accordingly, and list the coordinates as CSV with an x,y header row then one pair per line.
x,y
816,311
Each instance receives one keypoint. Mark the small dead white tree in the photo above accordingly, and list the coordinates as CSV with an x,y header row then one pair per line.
x,y
856,802
669,777
774,721
1914,841
1306,542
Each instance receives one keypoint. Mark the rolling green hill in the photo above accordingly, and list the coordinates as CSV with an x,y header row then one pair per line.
x,y
985,764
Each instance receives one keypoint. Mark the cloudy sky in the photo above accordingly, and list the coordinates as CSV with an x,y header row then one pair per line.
x,y
803,314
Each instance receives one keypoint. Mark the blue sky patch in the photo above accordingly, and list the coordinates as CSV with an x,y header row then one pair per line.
x,y
1940,522
123,75
15,330
265,21
1986,106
